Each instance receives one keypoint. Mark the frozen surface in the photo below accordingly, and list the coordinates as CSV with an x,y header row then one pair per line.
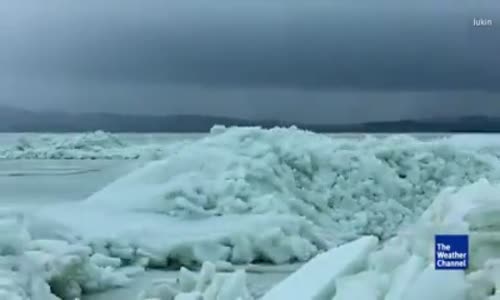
x,y
31,183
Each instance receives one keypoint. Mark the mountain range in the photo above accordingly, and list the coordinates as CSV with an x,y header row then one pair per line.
x,y
20,120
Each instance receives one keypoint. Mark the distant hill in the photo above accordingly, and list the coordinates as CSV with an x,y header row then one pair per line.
x,y
18,120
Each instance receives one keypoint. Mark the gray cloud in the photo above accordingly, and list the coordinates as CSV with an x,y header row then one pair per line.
x,y
204,55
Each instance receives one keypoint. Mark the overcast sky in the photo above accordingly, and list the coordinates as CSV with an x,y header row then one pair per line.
x,y
291,59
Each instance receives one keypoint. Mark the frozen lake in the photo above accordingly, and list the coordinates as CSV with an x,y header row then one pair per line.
x,y
38,182
34,184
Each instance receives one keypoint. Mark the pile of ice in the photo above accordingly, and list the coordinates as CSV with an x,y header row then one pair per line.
x,y
207,285
248,195
168,242
350,188
403,268
41,260
92,145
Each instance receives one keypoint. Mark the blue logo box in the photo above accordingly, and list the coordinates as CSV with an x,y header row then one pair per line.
x,y
451,252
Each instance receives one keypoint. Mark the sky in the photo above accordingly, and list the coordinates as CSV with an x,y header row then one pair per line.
x,y
312,61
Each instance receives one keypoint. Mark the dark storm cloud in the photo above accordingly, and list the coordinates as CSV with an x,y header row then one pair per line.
x,y
297,59
386,46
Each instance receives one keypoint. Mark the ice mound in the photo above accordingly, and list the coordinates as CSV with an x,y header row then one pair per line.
x,y
92,145
93,249
351,188
472,210
403,268
207,285
36,266
412,271
168,242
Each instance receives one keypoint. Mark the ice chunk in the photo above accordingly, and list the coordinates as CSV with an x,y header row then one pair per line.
x,y
160,291
316,279
105,261
207,285
481,285
367,285
235,287
434,284
206,276
13,236
404,276
484,218
393,254
191,296
187,280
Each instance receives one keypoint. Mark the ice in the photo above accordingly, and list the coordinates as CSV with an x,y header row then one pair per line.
x,y
315,280
102,260
207,285
235,287
351,188
438,285
91,145
29,265
404,276
232,238
367,285
403,268
248,195
469,210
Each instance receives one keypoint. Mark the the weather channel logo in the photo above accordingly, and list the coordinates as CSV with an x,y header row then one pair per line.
x,y
452,252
